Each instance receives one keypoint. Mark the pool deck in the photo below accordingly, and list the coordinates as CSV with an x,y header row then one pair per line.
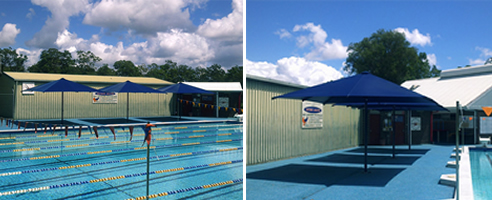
x,y
413,174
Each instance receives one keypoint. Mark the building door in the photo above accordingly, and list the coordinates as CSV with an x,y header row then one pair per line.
x,y
374,129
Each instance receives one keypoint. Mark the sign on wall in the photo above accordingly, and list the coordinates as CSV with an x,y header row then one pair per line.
x,y
312,114
104,97
224,101
27,85
485,125
415,124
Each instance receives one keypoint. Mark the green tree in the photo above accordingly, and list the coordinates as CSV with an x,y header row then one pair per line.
x,y
215,73
11,61
489,61
435,72
161,71
235,74
105,71
126,68
387,54
54,61
86,62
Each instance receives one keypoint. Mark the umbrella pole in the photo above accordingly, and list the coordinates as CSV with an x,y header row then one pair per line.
x,y
393,118
127,105
457,151
148,168
62,108
365,135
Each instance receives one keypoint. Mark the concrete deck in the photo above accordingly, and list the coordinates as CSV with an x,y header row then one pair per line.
x,y
413,174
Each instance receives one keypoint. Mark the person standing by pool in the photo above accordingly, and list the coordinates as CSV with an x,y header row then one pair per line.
x,y
147,130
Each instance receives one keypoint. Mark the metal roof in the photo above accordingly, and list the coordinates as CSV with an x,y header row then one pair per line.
x,y
42,77
471,86
269,80
217,86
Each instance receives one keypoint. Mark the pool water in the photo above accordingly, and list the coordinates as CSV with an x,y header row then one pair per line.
x,y
192,161
481,171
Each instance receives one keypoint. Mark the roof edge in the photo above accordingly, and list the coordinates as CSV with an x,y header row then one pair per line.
x,y
279,82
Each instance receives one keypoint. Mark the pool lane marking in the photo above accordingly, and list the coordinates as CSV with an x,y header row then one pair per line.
x,y
189,189
116,142
105,137
118,177
118,161
116,150
88,133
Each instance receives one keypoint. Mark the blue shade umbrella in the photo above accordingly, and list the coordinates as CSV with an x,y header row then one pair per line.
x,y
362,90
129,87
62,86
181,88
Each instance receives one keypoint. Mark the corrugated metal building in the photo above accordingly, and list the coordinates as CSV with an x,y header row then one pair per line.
x,y
227,94
274,126
16,104
472,87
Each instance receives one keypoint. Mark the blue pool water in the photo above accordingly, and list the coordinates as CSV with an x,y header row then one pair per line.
x,y
187,161
481,170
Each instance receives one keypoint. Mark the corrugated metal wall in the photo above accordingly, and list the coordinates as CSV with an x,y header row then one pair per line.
x,y
79,105
274,126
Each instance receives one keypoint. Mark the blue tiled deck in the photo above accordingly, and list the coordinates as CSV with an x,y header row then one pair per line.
x,y
413,174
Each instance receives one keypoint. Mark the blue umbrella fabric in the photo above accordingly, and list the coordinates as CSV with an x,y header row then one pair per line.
x,y
361,90
129,87
358,89
181,88
62,86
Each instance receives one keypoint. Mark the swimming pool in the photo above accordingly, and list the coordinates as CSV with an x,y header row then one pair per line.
x,y
200,161
481,172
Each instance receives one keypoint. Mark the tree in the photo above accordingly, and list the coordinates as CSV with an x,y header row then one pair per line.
x,y
235,74
126,68
388,55
216,73
11,61
86,62
489,61
54,61
105,71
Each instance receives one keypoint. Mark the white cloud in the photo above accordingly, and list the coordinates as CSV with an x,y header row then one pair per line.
x,y
144,16
8,34
283,33
61,11
30,14
432,59
415,37
321,49
294,70
32,55
484,55
228,28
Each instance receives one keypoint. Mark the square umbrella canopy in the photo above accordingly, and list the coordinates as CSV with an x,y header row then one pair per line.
x,y
129,87
361,89
62,86
181,88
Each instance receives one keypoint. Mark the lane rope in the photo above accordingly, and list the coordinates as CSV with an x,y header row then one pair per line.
x,y
115,178
116,142
118,161
189,189
117,150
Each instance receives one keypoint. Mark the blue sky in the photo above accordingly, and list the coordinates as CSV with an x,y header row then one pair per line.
x,y
191,32
303,41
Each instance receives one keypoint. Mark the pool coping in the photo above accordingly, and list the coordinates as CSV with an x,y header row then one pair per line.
x,y
465,178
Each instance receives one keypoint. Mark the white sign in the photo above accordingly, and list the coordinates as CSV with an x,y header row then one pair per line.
x,y
312,114
26,86
485,125
104,97
224,101
415,124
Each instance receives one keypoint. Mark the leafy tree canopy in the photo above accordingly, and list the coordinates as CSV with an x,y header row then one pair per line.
x,y
105,70
126,68
489,61
11,61
388,54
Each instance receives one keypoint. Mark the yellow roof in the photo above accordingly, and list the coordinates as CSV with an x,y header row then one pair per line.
x,y
23,76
